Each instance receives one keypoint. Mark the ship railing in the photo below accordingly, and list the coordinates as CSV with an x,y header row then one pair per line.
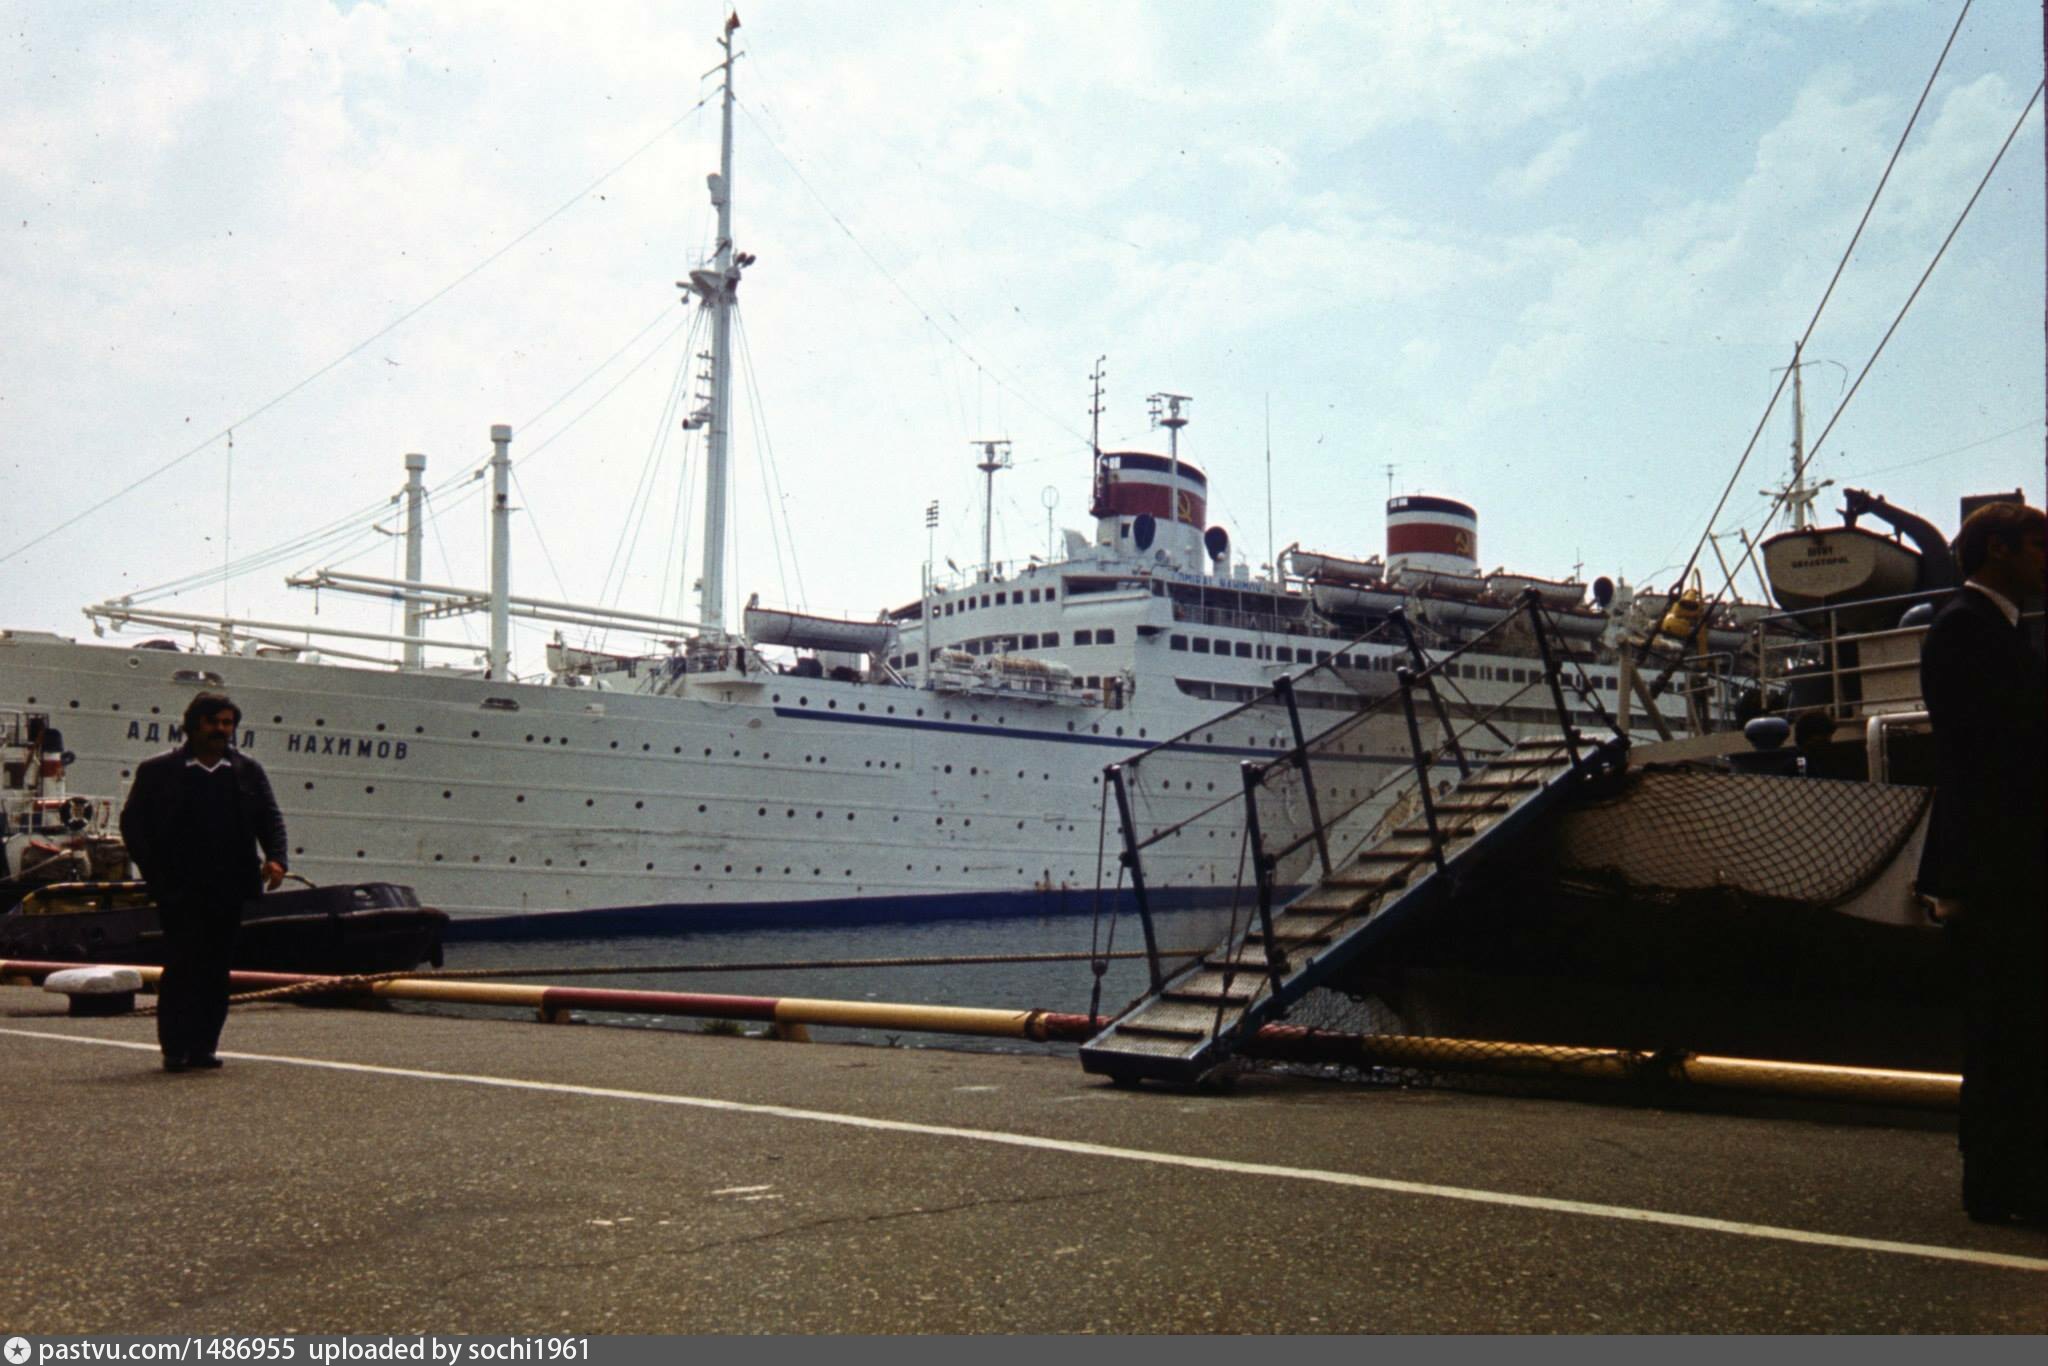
x,y
1216,858
1826,659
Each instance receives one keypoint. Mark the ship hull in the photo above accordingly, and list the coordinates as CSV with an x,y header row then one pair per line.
x,y
782,800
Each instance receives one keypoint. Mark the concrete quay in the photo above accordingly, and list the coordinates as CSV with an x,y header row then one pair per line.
x,y
374,1171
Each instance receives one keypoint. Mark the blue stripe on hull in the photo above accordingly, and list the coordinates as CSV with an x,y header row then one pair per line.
x,y
684,917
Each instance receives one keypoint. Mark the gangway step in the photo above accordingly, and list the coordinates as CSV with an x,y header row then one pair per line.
x,y
1189,1025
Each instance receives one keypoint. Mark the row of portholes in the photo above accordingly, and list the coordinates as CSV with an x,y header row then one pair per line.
x,y
647,748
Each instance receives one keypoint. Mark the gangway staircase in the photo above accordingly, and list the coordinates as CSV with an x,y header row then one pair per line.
x,y
1190,1024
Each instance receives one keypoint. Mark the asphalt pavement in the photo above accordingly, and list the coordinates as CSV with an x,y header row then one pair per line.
x,y
376,1171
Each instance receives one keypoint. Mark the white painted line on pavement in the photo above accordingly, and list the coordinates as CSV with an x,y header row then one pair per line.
x,y
1622,1213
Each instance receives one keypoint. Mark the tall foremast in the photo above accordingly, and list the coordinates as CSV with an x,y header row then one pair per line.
x,y
716,287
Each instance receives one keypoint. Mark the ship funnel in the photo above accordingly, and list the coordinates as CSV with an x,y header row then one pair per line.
x,y
1427,532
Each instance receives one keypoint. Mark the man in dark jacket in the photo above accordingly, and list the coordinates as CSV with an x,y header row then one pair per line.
x,y
1984,863
193,821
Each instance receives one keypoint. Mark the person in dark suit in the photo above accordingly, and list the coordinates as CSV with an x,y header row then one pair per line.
x,y
193,821
1984,864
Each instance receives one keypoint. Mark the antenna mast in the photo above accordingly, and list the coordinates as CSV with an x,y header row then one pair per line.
x,y
1098,478
995,455
717,290
1166,413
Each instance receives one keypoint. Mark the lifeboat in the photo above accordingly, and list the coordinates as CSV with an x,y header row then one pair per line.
x,y
1335,569
1354,600
1440,581
1838,566
801,631
1553,592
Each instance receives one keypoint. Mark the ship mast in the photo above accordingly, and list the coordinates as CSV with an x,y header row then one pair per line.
x,y
717,290
995,457
1799,496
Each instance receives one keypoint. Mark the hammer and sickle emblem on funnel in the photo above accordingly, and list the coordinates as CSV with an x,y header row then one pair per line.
x,y
1184,506
1463,541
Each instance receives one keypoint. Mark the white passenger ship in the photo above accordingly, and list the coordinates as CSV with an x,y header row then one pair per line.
x,y
945,759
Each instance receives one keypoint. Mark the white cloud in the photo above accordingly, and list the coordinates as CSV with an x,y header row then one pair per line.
x,y
1519,182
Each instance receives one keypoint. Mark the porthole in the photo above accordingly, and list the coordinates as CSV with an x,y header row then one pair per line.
x,y
446,794
590,801
520,798
309,787
476,735
380,725
638,805
700,808
371,788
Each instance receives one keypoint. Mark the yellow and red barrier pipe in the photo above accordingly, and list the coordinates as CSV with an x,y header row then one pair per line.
x,y
1275,1042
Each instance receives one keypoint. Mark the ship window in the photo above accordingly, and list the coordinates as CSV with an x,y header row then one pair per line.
x,y
1244,649
1051,638
1177,642
895,661
1051,594
1322,656
1084,637
1031,642
984,599
1002,598
1105,636
1034,595
910,660
1201,645
1284,654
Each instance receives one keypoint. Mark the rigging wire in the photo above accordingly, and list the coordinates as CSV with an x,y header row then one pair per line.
x,y
561,585
643,484
923,312
1750,546
771,473
1953,450
360,346
1827,294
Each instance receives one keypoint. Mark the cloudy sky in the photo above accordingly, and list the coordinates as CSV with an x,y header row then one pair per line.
x,y
1542,256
